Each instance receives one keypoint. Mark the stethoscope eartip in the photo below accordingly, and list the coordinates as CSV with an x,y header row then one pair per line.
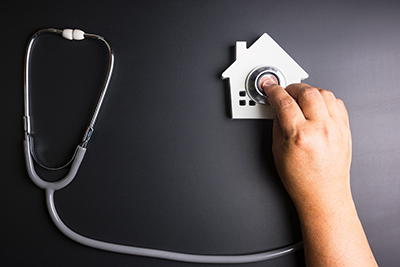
x,y
73,34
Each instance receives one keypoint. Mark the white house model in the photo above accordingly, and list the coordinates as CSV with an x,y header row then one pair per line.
x,y
265,52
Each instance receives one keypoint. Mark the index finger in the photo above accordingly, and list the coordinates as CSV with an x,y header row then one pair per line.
x,y
285,107
315,103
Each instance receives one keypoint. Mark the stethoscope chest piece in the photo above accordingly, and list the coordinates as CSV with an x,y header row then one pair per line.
x,y
254,78
263,57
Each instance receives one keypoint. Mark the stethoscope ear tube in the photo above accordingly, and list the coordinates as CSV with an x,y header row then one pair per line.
x,y
81,148
71,35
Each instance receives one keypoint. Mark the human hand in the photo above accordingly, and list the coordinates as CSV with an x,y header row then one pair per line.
x,y
312,152
311,143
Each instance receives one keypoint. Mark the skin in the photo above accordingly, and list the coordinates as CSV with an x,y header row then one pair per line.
x,y
312,153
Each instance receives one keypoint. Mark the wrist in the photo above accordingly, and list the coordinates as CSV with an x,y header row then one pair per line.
x,y
333,205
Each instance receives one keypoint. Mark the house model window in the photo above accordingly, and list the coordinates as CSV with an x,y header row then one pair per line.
x,y
265,56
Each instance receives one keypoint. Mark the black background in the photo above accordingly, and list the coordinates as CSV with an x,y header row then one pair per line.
x,y
166,167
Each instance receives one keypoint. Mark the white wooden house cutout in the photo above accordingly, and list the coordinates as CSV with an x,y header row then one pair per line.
x,y
264,52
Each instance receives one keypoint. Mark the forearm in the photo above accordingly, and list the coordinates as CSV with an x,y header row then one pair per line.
x,y
333,234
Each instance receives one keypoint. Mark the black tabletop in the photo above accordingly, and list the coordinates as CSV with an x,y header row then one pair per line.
x,y
166,167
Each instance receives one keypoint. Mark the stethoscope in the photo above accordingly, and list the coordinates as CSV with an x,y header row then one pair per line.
x,y
51,187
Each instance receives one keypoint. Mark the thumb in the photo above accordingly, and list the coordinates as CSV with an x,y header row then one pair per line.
x,y
277,134
266,81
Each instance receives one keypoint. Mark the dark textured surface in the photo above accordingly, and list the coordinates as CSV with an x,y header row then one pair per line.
x,y
166,167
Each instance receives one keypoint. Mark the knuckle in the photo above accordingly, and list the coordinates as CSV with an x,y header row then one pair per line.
x,y
327,93
309,91
309,136
300,138
340,101
285,103
295,85
295,133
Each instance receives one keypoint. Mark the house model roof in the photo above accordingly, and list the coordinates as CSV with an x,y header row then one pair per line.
x,y
264,52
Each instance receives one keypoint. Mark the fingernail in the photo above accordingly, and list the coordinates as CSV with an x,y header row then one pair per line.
x,y
267,81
